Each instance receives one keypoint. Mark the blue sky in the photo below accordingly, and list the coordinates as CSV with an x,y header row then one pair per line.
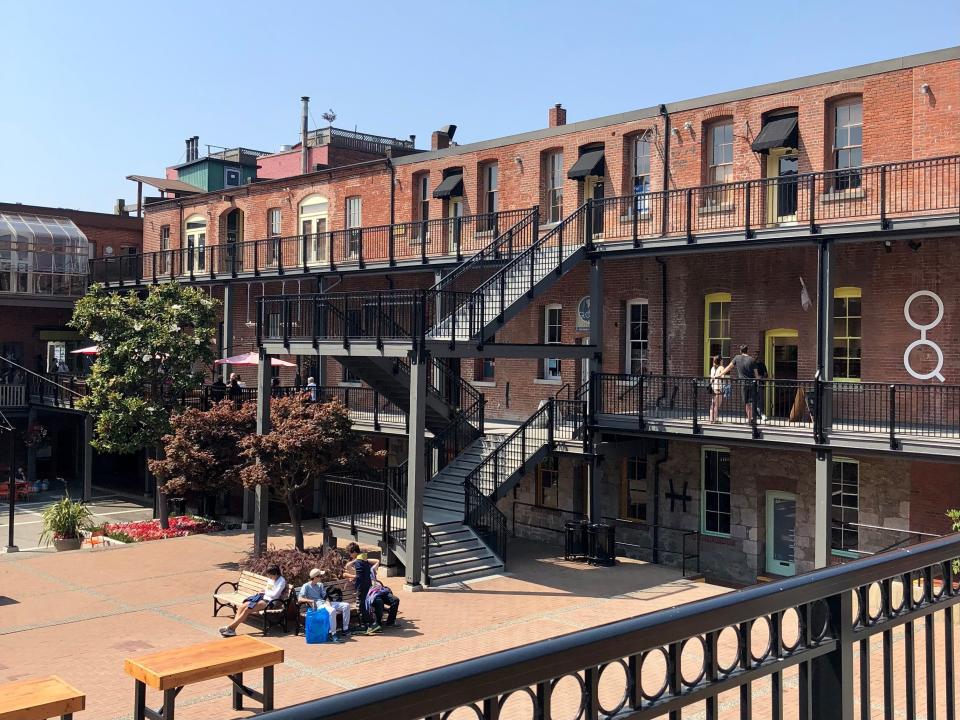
x,y
96,91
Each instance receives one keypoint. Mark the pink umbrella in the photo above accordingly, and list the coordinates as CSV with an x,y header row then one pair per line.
x,y
252,358
92,350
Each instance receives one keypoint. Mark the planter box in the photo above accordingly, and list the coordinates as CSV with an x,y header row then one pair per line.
x,y
66,544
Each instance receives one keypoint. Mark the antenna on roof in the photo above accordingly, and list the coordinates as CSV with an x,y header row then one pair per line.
x,y
329,116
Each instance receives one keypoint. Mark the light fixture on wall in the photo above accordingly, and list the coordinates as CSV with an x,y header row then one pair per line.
x,y
888,246
519,161
925,89
915,245
688,126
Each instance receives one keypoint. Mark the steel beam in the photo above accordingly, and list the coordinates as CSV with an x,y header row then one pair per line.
x,y
416,468
261,517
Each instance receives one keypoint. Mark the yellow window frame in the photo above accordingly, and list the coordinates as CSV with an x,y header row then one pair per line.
x,y
849,292
708,300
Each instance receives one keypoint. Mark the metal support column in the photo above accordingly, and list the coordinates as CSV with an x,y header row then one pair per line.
x,y
226,345
261,497
821,533
596,312
87,458
416,468
32,447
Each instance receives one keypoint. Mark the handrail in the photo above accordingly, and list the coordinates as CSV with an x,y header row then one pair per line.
x,y
833,611
892,411
491,252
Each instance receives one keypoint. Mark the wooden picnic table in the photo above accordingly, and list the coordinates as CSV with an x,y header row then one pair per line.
x,y
170,670
40,698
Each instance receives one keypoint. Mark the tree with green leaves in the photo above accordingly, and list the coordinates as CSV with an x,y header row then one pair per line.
x,y
306,440
152,350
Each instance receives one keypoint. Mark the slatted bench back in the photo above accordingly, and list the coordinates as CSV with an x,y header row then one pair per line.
x,y
250,583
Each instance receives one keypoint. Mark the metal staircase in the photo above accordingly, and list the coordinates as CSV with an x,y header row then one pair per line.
x,y
508,291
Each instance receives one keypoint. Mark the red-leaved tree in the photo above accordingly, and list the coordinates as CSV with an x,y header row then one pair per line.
x,y
202,453
306,440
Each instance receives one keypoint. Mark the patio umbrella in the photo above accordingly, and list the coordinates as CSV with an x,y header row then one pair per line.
x,y
91,350
251,358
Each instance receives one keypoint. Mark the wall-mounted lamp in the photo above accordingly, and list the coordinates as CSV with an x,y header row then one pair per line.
x,y
925,89
915,245
888,246
688,126
518,160
675,131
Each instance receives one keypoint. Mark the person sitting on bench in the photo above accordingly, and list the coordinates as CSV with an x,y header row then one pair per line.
x,y
258,602
378,597
314,594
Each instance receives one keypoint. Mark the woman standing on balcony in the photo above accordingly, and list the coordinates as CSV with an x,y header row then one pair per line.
x,y
717,386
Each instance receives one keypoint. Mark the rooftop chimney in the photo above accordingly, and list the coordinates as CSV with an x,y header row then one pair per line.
x,y
304,150
439,140
557,116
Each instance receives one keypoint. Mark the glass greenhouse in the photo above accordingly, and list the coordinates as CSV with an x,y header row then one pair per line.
x,y
42,256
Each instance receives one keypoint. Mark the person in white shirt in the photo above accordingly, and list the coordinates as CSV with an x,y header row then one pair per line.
x,y
255,603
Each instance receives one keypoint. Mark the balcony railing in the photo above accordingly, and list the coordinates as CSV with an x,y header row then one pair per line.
x,y
378,316
803,202
13,396
356,247
892,412
831,644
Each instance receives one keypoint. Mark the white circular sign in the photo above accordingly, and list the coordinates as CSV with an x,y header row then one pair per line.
x,y
923,341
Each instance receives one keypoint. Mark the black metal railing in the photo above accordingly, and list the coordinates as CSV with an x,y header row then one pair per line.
x,y
665,544
893,411
514,452
822,645
481,514
336,249
518,278
377,316
56,389
810,200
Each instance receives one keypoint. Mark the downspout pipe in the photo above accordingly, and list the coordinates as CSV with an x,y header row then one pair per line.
x,y
304,132
664,306
663,454
393,190
666,167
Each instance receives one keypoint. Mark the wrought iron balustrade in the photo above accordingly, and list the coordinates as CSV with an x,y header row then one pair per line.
x,y
894,411
831,644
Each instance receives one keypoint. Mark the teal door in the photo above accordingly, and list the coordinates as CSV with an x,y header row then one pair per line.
x,y
781,533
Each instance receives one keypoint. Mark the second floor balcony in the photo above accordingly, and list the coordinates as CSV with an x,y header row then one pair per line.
x,y
902,196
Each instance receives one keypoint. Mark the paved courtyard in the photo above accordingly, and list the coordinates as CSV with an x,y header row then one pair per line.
x,y
80,614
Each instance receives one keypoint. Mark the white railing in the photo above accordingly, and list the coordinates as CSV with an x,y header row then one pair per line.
x,y
13,395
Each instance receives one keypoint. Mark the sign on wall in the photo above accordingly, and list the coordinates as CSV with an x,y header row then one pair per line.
x,y
923,341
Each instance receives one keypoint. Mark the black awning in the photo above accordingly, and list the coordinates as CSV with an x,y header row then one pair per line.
x,y
590,163
451,186
777,133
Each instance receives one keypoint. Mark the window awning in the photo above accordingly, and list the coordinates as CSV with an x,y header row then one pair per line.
x,y
590,163
778,133
451,186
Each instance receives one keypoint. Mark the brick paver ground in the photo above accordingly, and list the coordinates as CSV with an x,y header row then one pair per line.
x,y
80,614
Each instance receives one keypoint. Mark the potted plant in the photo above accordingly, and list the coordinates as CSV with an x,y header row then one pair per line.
x,y
63,522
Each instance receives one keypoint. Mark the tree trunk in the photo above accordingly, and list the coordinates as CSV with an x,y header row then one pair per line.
x,y
293,508
163,506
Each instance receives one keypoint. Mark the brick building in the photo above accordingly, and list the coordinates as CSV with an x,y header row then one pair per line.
x,y
44,264
582,276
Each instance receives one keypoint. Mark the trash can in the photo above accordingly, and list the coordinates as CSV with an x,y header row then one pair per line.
x,y
601,545
175,506
575,540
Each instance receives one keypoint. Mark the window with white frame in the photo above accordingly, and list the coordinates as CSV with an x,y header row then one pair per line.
x,y
553,168
273,234
637,336
196,234
163,264
491,188
633,489
845,506
640,170
354,219
715,491
548,483
552,327
847,143
719,162
313,213
423,197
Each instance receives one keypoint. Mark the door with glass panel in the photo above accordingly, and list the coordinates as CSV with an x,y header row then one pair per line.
x,y
782,164
454,213
313,229
196,234
781,533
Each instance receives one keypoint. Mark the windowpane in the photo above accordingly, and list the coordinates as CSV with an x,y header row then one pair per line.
x,y
554,182
716,491
637,337
548,483
718,330
847,143
847,338
633,489
845,505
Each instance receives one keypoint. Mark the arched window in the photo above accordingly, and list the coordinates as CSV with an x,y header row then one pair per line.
x,y
312,221
195,232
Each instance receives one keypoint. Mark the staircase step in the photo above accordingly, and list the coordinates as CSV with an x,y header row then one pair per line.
x,y
440,557
465,563
439,494
464,574
445,505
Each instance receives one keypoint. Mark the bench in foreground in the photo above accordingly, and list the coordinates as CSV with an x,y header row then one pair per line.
x,y
40,698
170,670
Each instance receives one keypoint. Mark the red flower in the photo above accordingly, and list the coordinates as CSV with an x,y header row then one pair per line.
x,y
145,530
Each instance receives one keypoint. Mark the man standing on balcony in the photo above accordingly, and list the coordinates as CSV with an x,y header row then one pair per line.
x,y
763,374
747,371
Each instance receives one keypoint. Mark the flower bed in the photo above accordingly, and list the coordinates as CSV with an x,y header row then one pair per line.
x,y
144,530
295,565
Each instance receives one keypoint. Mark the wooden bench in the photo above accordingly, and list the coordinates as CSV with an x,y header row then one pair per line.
x,y
171,670
40,698
248,584
337,590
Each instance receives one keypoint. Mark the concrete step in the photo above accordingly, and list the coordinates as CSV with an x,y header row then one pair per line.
x,y
449,506
465,574
449,557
